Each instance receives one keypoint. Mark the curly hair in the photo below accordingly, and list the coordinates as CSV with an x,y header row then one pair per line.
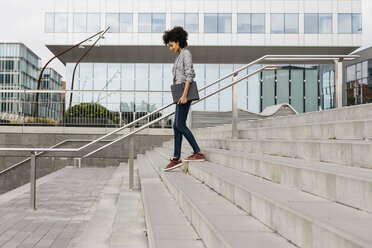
x,y
176,34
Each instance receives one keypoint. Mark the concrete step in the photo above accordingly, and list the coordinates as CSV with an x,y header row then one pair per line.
x,y
345,152
98,230
218,222
344,130
166,225
302,218
349,113
129,227
344,114
343,184
118,220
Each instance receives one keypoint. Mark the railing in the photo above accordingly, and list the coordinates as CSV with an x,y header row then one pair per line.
x,y
337,59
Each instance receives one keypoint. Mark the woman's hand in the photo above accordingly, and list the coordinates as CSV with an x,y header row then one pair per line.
x,y
182,100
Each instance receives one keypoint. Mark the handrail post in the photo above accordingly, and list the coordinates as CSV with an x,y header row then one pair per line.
x,y
338,83
234,125
33,181
131,157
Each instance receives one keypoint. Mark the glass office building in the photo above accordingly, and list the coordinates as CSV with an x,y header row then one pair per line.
x,y
358,79
223,36
19,69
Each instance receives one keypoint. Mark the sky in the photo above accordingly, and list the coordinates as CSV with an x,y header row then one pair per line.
x,y
22,20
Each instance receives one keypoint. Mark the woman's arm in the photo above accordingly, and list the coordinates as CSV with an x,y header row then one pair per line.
x,y
190,74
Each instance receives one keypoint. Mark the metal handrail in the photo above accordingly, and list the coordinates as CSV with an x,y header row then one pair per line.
x,y
336,58
165,116
37,154
257,61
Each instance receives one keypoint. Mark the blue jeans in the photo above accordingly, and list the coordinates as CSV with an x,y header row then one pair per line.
x,y
180,128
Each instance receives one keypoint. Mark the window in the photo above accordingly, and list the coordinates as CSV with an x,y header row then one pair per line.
x,y
217,23
189,21
151,22
56,23
210,23
119,22
258,23
318,23
325,23
93,22
126,22
277,23
311,24
349,23
86,22
284,23
291,23
244,23
80,22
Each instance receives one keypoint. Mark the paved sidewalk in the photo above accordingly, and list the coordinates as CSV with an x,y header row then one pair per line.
x,y
64,204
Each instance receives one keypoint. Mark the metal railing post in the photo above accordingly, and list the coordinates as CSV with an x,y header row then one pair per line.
x,y
33,181
338,83
234,123
131,157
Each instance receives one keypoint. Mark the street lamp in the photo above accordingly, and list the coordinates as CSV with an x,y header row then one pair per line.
x,y
56,56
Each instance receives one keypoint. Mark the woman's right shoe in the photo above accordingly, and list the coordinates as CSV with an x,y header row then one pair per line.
x,y
173,164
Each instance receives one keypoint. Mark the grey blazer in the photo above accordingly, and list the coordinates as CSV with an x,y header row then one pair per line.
x,y
183,67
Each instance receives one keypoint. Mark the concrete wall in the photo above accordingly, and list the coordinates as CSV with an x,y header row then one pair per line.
x,y
52,161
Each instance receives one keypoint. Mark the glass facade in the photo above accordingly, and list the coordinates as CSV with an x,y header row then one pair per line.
x,y
19,69
281,23
359,83
298,85
349,23
190,21
56,22
318,23
284,23
251,23
151,22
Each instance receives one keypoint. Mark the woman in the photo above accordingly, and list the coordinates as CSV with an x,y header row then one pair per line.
x,y
183,71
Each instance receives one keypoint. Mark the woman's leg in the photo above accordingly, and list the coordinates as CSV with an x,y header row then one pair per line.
x,y
177,135
180,123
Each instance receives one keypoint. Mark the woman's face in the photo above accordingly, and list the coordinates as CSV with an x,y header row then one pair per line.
x,y
174,46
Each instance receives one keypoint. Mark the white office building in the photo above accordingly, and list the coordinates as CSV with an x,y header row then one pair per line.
x,y
223,36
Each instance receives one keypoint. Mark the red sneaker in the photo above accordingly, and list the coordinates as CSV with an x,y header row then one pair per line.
x,y
195,157
173,164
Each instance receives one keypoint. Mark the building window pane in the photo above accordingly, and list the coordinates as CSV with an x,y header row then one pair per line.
x,y
126,23
224,23
357,23
178,19
325,23
365,69
344,23
80,22
311,23
93,22
49,22
112,21
144,22
210,23
192,22
60,23
277,23
158,23
350,73
244,23
258,23
291,23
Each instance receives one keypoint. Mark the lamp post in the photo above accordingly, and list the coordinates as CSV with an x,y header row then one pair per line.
x,y
77,63
56,56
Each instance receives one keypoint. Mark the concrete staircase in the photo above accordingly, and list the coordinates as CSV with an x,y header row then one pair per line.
x,y
294,181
